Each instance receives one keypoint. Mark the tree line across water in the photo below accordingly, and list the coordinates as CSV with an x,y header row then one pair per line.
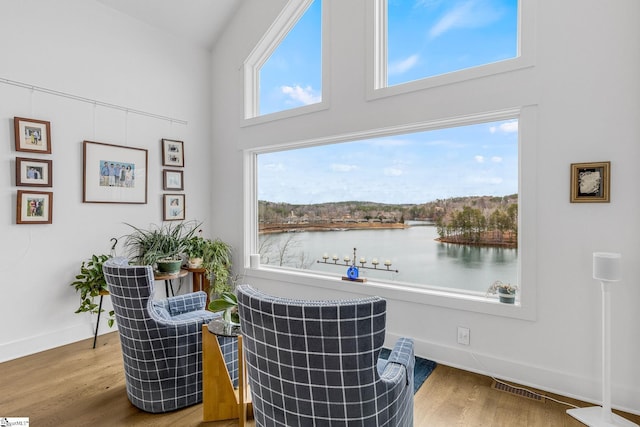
x,y
471,226
480,220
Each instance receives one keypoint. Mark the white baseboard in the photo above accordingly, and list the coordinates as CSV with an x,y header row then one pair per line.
x,y
562,383
52,339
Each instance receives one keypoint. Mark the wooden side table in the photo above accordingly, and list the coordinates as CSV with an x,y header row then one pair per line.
x,y
200,280
168,278
220,400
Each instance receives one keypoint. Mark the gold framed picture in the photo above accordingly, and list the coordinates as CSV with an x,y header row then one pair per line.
x,y
590,182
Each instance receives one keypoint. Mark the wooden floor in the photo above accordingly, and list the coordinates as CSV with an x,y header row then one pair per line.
x,y
75,385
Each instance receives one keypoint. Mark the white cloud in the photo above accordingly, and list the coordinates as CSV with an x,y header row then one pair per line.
x,y
392,172
301,95
404,65
468,14
277,167
496,159
337,167
506,127
479,159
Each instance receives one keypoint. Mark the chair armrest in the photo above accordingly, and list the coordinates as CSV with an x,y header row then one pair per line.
x,y
188,302
402,354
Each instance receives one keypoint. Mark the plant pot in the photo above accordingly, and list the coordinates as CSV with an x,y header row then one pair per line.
x,y
194,262
506,296
169,266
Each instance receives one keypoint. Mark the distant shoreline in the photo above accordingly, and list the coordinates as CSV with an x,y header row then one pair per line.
x,y
334,226
343,226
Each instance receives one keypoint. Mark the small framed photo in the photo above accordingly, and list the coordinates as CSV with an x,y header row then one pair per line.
x,y
34,172
34,207
173,207
114,173
590,182
172,153
32,135
172,180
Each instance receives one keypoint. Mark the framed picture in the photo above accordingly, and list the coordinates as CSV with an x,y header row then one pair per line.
x,y
32,135
34,172
114,173
590,182
34,207
172,180
172,153
173,207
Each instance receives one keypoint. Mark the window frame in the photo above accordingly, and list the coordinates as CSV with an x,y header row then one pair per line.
x,y
527,236
377,54
277,32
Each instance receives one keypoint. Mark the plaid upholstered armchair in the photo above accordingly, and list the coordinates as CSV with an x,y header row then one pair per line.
x,y
315,363
161,340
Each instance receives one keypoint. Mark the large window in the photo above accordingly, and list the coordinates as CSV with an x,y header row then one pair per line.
x,y
440,206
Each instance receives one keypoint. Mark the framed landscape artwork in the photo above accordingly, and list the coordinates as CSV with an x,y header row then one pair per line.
x,y
34,207
32,135
114,173
590,182
173,207
34,172
172,180
172,153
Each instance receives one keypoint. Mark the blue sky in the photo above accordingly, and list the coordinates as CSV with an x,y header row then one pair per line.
x,y
426,38
472,160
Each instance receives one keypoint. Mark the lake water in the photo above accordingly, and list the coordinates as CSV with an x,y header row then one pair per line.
x,y
413,251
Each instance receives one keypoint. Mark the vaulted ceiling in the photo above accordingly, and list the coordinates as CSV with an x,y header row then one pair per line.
x,y
200,22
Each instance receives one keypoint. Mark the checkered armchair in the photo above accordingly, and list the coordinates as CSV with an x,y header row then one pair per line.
x,y
161,340
315,363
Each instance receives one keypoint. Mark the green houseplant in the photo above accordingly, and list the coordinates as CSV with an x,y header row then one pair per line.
x,y
91,283
160,245
229,303
195,249
216,260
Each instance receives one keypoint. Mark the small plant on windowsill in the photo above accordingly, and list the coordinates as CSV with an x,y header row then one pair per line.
x,y
506,291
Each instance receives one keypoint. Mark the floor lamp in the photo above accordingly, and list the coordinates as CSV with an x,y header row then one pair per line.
x,y
606,269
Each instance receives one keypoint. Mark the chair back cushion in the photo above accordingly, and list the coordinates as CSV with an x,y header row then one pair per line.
x,y
314,362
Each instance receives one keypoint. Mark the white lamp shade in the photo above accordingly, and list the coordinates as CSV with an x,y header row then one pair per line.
x,y
606,266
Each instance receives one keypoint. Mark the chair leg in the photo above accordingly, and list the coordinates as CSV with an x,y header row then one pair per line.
x,y
95,335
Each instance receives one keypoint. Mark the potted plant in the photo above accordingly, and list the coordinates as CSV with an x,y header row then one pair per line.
x,y
195,250
506,291
227,302
160,245
91,283
216,259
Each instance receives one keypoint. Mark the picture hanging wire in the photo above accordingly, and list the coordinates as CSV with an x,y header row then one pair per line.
x,y
88,100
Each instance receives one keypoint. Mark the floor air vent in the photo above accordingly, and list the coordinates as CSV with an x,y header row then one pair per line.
x,y
517,391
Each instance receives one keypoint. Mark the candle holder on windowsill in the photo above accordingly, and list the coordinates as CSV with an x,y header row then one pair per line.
x,y
353,271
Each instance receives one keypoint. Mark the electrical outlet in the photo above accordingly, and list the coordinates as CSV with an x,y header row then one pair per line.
x,y
463,335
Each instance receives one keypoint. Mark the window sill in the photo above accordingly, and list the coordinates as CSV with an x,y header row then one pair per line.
x,y
393,291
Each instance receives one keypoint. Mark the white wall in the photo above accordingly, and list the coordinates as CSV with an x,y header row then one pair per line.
x,y
584,88
85,49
